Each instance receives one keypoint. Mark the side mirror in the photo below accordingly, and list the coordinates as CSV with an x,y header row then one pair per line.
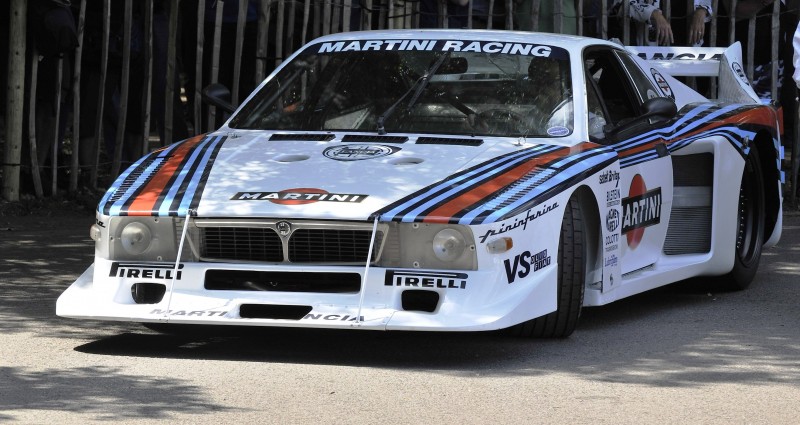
x,y
654,110
660,108
218,95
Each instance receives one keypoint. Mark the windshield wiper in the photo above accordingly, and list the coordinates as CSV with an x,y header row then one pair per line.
x,y
416,88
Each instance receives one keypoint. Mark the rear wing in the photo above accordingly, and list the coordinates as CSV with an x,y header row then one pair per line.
x,y
724,63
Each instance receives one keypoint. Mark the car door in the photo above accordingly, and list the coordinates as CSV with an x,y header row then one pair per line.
x,y
616,90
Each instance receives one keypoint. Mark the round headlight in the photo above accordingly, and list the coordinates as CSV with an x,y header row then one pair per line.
x,y
449,244
136,238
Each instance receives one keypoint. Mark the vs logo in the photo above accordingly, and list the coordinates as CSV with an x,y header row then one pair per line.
x,y
522,264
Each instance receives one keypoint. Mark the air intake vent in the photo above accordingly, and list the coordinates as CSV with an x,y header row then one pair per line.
x,y
689,231
280,137
246,280
448,141
370,138
276,312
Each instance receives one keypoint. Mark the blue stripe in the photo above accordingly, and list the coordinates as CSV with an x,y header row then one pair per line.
x,y
163,209
188,196
480,173
552,182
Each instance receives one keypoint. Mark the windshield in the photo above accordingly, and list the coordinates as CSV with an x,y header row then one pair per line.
x,y
419,86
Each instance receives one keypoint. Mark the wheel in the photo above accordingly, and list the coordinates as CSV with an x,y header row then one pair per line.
x,y
750,226
571,281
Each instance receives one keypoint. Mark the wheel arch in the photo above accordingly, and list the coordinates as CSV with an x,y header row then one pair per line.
x,y
769,160
592,222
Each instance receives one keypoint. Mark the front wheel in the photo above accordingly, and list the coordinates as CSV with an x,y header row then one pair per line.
x,y
749,225
571,281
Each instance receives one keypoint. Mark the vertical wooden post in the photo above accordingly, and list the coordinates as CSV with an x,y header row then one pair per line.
x,y
558,17
16,98
579,18
263,39
279,32
366,15
509,14
125,83
37,179
348,9
54,159
212,111
237,56
776,31
712,41
490,15
172,72
535,5
732,23
604,22
326,18
751,48
148,75
307,17
76,103
290,29
198,68
101,94
626,24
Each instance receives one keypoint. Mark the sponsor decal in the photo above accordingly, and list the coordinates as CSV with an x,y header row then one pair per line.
x,y
144,271
523,264
609,177
423,279
612,197
611,261
659,56
331,317
358,152
612,220
524,49
100,223
737,69
298,196
557,131
662,83
520,221
196,313
642,208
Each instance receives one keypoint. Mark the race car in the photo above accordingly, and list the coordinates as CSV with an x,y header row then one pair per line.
x,y
444,180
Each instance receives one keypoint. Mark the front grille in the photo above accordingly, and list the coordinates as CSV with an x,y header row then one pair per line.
x,y
308,242
241,244
329,246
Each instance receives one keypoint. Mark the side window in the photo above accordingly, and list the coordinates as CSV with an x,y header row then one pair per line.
x,y
613,85
597,115
643,85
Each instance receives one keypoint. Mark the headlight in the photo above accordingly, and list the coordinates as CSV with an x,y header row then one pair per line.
x,y
448,245
136,238
429,246
142,238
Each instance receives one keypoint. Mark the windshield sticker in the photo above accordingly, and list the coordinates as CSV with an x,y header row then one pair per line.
x,y
557,131
358,152
662,83
523,49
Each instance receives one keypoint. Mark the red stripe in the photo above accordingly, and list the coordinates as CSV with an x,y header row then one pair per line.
x,y
146,200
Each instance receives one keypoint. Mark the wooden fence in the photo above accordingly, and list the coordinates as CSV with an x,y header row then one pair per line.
x,y
281,27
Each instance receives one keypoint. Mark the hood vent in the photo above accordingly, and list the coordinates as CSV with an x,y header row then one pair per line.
x,y
371,138
306,137
448,141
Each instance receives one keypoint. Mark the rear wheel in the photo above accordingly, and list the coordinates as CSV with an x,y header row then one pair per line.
x,y
571,278
750,225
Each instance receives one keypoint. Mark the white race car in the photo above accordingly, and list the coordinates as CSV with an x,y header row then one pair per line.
x,y
444,180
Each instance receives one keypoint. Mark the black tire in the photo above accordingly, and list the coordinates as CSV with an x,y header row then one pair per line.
x,y
750,226
571,281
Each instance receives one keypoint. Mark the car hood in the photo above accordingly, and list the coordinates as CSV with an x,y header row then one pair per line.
x,y
256,174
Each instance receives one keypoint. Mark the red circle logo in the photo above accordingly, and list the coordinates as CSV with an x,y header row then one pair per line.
x,y
298,196
638,187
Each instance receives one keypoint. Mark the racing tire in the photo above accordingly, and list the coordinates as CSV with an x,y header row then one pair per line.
x,y
571,281
749,226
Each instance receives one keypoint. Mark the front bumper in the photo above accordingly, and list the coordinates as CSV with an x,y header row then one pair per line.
x,y
473,301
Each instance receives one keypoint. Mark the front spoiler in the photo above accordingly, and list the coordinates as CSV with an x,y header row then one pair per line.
x,y
487,303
